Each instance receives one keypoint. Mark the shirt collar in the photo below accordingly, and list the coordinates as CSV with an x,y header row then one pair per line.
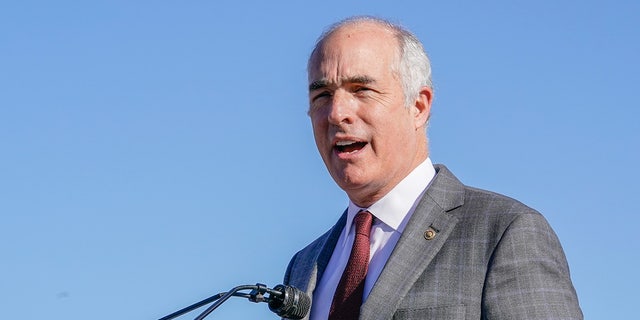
x,y
393,207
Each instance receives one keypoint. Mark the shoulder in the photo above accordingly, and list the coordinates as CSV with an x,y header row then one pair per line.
x,y
447,186
467,202
507,229
487,215
315,255
312,250
491,203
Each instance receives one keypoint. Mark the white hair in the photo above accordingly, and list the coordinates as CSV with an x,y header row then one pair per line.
x,y
413,66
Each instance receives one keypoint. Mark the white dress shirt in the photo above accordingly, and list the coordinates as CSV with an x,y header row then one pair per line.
x,y
391,214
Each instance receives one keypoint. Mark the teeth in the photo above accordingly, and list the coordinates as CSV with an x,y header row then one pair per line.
x,y
344,143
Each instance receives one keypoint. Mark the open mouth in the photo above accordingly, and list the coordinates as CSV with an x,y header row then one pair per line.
x,y
349,146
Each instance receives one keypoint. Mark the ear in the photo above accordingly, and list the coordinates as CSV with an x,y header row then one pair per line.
x,y
422,107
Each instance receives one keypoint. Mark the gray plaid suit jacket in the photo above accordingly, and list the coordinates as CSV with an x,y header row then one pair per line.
x,y
491,258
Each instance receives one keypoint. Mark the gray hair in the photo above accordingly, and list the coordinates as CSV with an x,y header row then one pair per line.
x,y
413,66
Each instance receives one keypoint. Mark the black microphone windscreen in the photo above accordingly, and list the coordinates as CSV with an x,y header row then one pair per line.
x,y
292,304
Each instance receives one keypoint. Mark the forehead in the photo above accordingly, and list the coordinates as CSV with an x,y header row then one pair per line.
x,y
353,51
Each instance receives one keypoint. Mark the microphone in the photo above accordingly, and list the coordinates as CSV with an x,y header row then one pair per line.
x,y
290,302
286,301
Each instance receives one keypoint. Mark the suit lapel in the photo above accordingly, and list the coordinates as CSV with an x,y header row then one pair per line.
x,y
313,264
414,251
309,265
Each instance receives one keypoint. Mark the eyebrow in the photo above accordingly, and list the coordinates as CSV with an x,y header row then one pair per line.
x,y
323,83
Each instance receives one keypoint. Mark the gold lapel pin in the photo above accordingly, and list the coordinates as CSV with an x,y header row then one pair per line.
x,y
430,233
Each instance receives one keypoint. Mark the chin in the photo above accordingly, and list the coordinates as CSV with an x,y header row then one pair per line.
x,y
348,182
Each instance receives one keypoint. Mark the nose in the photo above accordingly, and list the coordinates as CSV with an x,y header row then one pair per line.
x,y
341,110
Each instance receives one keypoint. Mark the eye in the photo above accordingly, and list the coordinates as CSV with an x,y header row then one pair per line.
x,y
362,89
320,95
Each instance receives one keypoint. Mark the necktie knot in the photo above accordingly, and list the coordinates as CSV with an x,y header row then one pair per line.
x,y
363,222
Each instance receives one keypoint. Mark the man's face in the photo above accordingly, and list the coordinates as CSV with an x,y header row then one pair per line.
x,y
367,138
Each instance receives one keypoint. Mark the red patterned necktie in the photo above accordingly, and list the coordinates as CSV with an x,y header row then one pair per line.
x,y
348,296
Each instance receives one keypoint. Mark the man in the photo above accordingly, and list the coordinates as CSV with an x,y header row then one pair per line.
x,y
433,247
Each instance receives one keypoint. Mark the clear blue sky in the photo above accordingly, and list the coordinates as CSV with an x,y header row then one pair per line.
x,y
154,153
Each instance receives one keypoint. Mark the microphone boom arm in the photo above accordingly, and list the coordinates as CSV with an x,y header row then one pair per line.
x,y
283,300
255,296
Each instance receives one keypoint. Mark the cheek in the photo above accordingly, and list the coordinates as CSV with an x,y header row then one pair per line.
x,y
316,126
395,135
319,133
